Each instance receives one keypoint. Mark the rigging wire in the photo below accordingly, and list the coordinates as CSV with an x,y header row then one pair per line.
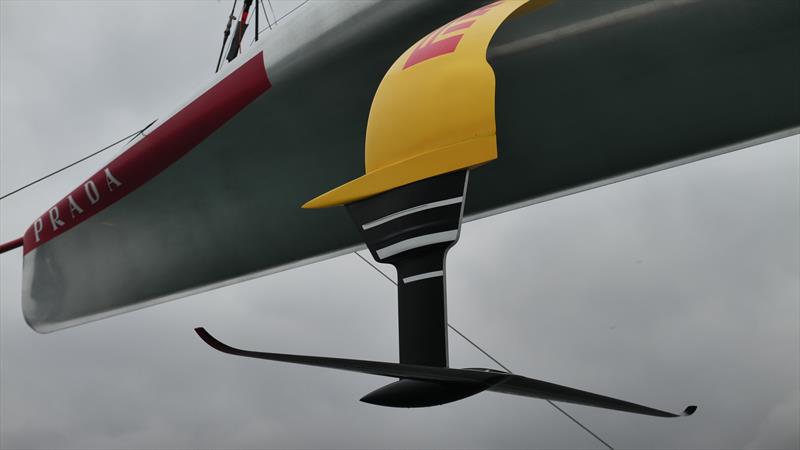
x,y
291,11
278,19
263,8
131,136
577,422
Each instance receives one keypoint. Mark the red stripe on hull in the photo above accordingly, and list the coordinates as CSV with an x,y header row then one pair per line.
x,y
10,245
153,153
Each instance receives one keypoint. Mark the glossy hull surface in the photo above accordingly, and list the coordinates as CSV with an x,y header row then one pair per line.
x,y
588,93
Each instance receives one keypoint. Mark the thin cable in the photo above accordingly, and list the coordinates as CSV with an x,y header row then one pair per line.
x,y
263,8
141,132
277,19
581,425
480,349
130,136
376,268
449,325
292,10
509,370
585,428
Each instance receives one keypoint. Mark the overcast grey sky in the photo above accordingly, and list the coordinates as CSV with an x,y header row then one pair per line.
x,y
675,288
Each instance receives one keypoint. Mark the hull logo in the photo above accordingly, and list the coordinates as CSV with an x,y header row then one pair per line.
x,y
435,44
55,217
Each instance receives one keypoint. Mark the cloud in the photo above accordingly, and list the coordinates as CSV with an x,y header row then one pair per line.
x,y
780,429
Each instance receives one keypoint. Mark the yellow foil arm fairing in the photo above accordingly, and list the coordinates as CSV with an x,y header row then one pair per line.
x,y
433,112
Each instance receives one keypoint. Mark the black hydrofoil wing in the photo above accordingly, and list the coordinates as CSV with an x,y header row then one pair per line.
x,y
424,385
